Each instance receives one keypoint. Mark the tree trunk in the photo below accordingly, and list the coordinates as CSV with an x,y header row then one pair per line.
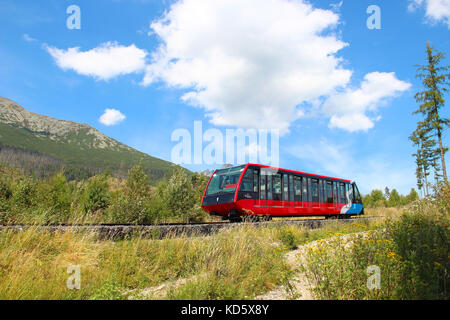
x,y
444,169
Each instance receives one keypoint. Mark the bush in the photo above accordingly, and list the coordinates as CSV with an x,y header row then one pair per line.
x,y
179,196
5,191
24,193
57,194
288,238
412,256
97,195
133,204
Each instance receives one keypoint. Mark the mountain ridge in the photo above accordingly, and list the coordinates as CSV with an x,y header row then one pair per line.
x,y
75,144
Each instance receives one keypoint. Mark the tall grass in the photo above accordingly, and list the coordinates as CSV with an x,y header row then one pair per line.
x,y
411,252
237,263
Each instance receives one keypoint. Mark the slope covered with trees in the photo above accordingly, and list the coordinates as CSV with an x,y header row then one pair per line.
x,y
81,149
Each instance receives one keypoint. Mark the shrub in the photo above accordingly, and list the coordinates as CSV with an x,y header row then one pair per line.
x,y
133,204
57,194
179,196
288,238
5,191
412,254
24,193
96,196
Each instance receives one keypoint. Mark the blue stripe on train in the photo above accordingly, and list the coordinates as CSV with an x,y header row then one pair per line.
x,y
356,208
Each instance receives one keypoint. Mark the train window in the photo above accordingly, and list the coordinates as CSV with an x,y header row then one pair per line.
x,y
305,189
298,188
277,187
269,187
315,190
309,190
335,200
285,188
291,188
342,196
350,192
357,194
329,192
255,180
320,191
247,181
263,186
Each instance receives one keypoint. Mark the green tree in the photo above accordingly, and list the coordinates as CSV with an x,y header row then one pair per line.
x,y
367,201
394,199
377,197
386,193
435,79
426,154
134,202
179,196
57,194
97,195
412,196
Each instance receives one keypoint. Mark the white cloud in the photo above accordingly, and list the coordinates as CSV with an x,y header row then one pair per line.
x,y
104,62
349,109
435,10
27,38
374,171
248,63
111,117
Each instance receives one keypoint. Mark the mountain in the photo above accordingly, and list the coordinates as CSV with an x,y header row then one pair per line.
x,y
80,147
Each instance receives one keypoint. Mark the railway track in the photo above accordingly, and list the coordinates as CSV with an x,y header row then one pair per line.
x,y
159,231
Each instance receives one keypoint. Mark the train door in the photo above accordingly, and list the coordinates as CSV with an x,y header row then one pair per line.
x,y
329,195
304,192
291,191
297,191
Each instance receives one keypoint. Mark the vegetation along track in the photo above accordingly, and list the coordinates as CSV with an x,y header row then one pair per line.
x,y
120,231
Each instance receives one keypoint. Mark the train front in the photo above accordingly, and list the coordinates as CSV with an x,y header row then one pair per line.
x,y
219,195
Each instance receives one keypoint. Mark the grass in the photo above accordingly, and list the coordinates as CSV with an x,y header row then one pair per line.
x,y
411,252
236,263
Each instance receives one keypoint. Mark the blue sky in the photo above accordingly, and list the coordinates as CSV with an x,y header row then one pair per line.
x,y
340,94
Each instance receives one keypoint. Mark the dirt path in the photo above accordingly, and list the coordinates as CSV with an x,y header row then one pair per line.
x,y
299,288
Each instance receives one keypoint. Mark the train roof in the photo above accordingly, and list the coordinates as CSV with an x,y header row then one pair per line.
x,y
299,172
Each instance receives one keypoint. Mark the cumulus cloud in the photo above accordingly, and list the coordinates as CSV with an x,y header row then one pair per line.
x,y
248,63
349,110
104,62
435,10
111,117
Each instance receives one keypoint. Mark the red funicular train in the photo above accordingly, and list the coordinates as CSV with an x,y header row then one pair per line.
x,y
259,190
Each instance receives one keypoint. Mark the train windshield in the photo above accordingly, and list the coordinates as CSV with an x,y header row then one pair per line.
x,y
225,180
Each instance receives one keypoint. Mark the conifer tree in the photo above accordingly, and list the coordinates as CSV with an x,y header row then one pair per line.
x,y
435,79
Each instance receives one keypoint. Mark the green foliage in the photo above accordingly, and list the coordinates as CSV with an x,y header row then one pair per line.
x,y
55,200
412,196
110,290
288,238
5,191
57,194
435,82
97,195
24,193
376,199
411,253
179,196
76,154
394,199
421,242
134,202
